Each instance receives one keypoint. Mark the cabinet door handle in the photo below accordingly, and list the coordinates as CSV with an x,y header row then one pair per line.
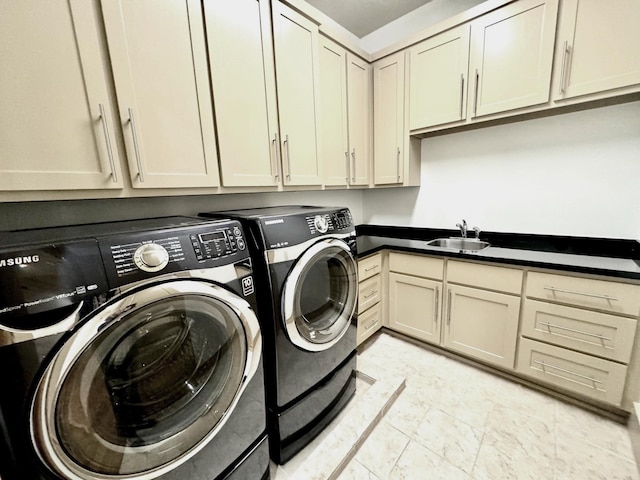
x,y
346,157
398,164
564,370
567,329
373,292
286,145
136,147
449,310
276,143
565,52
437,304
353,165
107,138
373,267
475,94
584,294
461,93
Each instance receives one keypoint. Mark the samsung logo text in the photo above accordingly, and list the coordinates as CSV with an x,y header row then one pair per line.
x,y
16,261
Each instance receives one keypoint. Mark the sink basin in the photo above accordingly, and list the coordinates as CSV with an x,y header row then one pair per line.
x,y
455,243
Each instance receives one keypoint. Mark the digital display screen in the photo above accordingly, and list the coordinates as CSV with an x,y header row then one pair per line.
x,y
210,237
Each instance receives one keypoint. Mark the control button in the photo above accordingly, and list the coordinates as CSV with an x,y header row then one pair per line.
x,y
241,244
237,232
151,257
321,223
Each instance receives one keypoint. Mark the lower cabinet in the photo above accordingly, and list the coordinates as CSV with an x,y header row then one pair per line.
x,y
369,296
482,324
414,306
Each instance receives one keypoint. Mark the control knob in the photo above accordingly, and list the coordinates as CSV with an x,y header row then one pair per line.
x,y
321,223
151,257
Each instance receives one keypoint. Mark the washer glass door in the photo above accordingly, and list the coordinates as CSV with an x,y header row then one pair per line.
x,y
143,385
320,295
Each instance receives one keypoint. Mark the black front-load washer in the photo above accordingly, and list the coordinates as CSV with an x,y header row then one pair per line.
x,y
130,350
306,273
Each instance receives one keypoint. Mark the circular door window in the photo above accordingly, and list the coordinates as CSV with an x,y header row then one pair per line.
x,y
320,295
147,388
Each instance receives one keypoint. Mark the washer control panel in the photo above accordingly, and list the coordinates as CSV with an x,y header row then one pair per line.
x,y
329,222
218,243
151,257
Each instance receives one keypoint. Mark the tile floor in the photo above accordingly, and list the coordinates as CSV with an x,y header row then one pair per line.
x,y
453,421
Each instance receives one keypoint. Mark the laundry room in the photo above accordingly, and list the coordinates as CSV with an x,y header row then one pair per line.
x,y
424,212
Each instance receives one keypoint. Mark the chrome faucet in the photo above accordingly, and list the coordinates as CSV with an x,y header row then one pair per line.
x,y
477,230
463,228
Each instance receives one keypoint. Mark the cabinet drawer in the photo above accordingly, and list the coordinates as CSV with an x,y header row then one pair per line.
x,y
368,293
417,265
489,277
594,377
369,266
368,323
590,332
585,292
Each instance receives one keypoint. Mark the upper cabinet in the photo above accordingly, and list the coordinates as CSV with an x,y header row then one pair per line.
x,y
244,92
296,59
598,47
56,122
389,125
511,57
345,116
439,73
159,62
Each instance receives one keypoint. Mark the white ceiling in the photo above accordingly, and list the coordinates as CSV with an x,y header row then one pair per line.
x,y
362,17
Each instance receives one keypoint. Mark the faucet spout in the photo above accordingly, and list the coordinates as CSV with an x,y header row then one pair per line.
x,y
463,228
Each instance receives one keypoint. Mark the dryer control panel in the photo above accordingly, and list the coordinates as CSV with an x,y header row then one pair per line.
x,y
218,243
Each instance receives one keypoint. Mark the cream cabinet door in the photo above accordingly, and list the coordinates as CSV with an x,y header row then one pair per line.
x,y
598,46
439,68
359,97
160,67
296,53
482,324
414,306
388,122
512,56
56,130
334,147
243,81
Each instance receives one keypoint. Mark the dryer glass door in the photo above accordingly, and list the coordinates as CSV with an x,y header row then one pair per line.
x,y
145,383
320,295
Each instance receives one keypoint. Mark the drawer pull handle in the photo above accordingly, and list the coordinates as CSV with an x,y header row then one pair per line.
x,y
560,327
584,294
373,322
591,379
449,311
437,304
371,268
371,294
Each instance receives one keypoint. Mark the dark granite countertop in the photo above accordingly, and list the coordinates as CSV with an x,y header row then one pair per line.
x,y
610,257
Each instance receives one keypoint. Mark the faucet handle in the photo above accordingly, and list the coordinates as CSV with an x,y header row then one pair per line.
x,y
477,230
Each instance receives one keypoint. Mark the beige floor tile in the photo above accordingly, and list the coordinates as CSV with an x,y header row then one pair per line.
x,y
520,397
381,449
418,462
356,471
579,459
407,411
452,439
610,435
492,463
466,402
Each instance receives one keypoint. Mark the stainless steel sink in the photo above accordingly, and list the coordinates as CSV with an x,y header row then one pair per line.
x,y
458,243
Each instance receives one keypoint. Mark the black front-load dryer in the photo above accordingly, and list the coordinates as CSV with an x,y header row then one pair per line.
x,y
130,350
305,258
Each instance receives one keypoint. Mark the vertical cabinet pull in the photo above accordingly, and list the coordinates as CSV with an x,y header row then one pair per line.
x,y
353,165
563,70
346,157
475,94
286,145
398,164
136,148
449,310
276,143
107,138
437,304
461,93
